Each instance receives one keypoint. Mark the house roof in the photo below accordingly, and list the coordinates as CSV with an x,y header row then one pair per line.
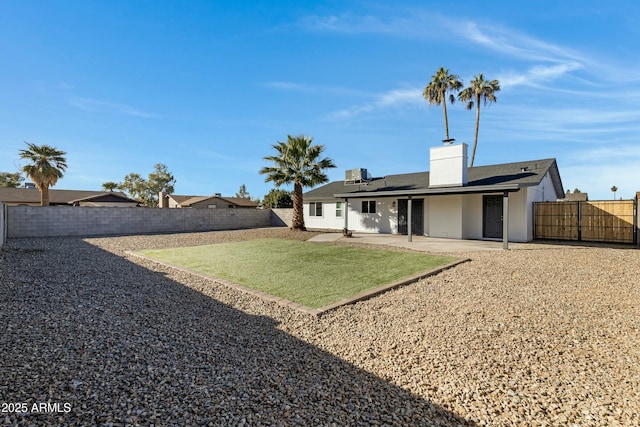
x,y
190,200
180,199
576,197
481,179
56,197
194,199
241,201
106,197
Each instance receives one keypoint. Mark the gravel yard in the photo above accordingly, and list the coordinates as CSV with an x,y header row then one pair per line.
x,y
542,335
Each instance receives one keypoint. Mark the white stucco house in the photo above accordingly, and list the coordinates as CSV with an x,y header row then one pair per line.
x,y
451,201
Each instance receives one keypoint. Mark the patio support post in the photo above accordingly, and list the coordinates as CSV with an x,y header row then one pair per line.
x,y
346,213
409,236
505,220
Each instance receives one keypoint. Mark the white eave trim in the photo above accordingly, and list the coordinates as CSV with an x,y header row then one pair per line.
x,y
497,188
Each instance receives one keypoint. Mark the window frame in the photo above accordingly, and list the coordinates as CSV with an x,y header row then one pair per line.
x,y
367,206
314,207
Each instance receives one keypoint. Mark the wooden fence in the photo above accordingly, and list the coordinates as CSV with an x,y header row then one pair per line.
x,y
597,221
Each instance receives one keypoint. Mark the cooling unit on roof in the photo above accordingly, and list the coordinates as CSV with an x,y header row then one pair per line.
x,y
356,176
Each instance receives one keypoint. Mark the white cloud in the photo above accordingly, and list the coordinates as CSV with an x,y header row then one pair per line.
x,y
396,98
552,62
291,86
303,87
396,26
538,74
90,104
610,153
513,43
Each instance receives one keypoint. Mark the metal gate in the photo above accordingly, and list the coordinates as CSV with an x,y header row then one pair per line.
x,y
597,221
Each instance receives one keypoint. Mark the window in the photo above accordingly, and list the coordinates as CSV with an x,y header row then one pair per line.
x,y
338,209
315,209
369,206
212,206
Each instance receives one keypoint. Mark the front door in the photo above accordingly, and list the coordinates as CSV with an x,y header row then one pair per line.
x,y
417,216
492,213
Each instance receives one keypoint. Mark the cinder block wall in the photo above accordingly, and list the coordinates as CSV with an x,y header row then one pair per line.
x,y
39,221
282,217
3,223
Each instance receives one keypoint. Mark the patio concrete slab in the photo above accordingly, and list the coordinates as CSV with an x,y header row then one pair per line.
x,y
419,243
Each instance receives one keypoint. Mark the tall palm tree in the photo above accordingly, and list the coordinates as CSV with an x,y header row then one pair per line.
x,y
436,92
298,162
46,167
479,90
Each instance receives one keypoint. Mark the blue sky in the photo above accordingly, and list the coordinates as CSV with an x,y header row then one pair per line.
x,y
206,87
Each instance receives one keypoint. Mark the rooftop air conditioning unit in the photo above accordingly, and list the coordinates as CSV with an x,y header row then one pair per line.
x,y
356,176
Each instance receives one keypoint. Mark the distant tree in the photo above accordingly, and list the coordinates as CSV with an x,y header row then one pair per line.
x,y
135,186
436,92
159,180
297,161
146,190
276,198
576,191
243,193
479,90
110,186
47,165
614,189
12,180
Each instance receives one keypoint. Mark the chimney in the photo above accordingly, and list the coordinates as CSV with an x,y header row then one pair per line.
x,y
163,200
448,166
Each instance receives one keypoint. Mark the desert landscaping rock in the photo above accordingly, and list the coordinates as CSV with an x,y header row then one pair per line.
x,y
542,336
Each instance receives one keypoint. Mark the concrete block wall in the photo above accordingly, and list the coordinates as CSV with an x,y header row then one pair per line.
x,y
281,217
51,221
3,223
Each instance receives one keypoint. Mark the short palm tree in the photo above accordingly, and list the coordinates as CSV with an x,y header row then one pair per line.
x,y
436,92
46,166
479,90
297,161
110,186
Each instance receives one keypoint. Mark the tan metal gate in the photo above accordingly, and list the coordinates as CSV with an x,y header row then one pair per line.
x,y
597,221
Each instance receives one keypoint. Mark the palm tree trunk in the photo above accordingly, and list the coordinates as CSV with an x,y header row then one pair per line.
x,y
298,208
446,121
44,196
475,139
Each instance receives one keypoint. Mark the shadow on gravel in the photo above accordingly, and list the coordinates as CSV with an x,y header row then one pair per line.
x,y
93,339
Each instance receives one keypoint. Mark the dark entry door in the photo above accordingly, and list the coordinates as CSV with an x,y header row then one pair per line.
x,y
492,217
417,216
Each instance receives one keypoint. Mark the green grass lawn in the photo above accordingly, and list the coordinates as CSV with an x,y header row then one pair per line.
x,y
311,274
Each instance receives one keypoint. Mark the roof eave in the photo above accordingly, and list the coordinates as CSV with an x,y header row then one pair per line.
x,y
498,188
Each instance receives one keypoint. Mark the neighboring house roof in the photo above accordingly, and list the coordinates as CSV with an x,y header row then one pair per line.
x,y
58,197
481,179
105,198
194,199
187,201
575,197
180,199
240,201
